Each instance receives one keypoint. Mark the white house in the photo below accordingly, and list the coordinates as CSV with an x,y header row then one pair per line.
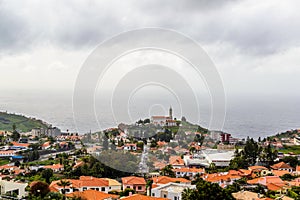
x,y
130,147
171,191
12,187
190,172
86,183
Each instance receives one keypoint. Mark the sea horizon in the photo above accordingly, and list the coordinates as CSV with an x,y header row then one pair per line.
x,y
261,117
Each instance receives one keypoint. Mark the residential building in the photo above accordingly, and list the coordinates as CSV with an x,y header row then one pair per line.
x,y
188,172
92,195
136,183
170,191
282,166
54,167
84,183
221,158
13,188
246,195
176,161
130,147
161,180
142,197
223,179
114,185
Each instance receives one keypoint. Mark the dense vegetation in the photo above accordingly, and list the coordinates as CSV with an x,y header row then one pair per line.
x,y
23,123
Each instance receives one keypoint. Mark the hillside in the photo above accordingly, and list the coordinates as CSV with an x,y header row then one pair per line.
x,y
22,123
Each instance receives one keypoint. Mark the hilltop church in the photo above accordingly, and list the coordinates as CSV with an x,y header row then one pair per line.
x,y
164,120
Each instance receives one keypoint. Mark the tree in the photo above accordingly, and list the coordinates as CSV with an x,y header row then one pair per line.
x,y
149,185
64,184
147,121
105,143
140,145
199,138
15,136
47,174
291,160
97,169
168,171
39,189
206,190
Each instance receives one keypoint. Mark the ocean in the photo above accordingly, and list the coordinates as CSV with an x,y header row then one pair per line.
x,y
258,116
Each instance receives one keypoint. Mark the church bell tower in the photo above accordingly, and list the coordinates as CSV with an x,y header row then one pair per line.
x,y
170,113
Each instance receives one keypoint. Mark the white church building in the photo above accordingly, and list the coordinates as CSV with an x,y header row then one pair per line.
x,y
164,120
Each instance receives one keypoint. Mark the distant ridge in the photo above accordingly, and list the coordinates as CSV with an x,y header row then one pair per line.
x,y
22,122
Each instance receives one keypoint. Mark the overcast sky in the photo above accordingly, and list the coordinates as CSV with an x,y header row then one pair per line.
x,y
254,44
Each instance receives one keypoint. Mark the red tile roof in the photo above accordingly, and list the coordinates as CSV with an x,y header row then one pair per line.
x,y
166,179
281,165
142,197
187,169
257,168
176,160
133,180
92,195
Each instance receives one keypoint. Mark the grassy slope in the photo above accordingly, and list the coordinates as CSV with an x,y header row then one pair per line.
x,y
23,123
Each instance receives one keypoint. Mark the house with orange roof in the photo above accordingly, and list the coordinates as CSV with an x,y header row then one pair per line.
x,y
257,167
82,184
159,165
297,171
130,147
114,185
223,179
136,183
170,190
188,172
282,166
46,145
9,168
20,145
245,172
295,182
54,167
257,171
176,161
161,180
142,197
280,172
279,188
247,195
78,164
265,180
161,143
92,195
7,153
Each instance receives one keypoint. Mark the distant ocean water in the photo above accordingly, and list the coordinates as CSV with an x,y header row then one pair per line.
x,y
257,117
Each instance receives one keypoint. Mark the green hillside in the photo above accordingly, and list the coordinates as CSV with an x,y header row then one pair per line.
x,y
22,123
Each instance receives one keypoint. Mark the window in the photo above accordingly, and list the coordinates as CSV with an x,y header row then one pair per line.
x,y
84,188
103,189
175,198
128,186
139,187
165,196
153,194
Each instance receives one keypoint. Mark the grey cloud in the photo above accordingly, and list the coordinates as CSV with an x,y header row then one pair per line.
x,y
256,30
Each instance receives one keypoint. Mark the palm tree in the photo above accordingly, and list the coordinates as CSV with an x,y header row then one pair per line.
x,y
168,171
187,194
64,184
